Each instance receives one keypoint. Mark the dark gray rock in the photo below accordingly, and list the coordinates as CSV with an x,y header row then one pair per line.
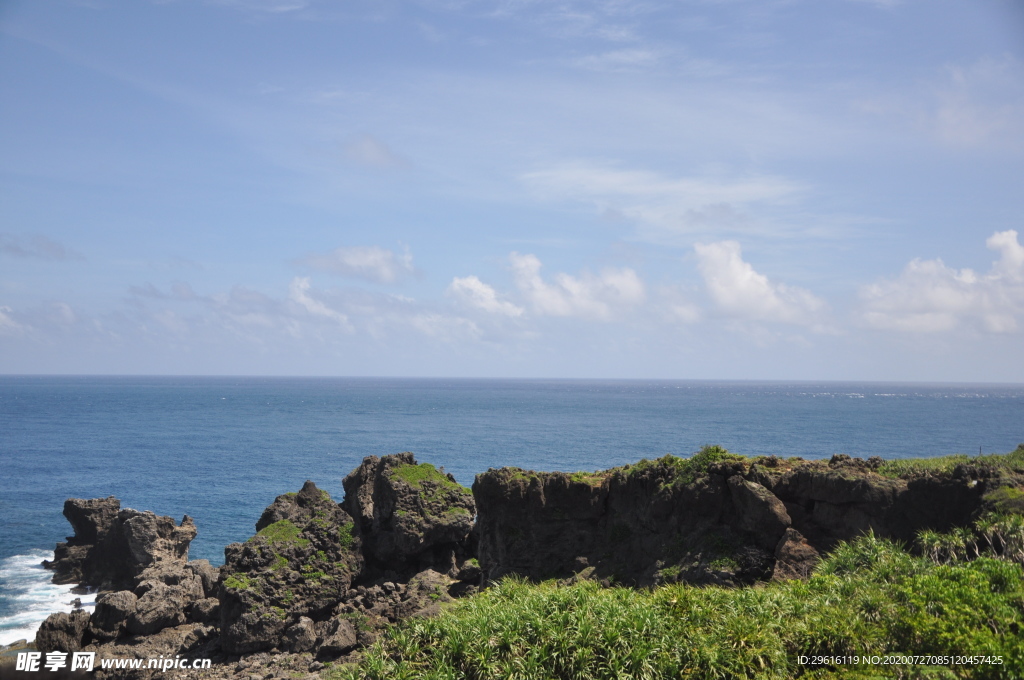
x,y
341,639
111,615
300,636
62,632
162,606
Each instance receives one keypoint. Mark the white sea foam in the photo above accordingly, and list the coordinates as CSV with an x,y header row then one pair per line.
x,y
27,596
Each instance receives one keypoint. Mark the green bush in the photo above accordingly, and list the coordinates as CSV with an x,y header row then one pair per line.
x,y
868,597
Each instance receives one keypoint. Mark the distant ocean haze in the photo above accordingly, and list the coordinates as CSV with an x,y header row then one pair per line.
x,y
221,449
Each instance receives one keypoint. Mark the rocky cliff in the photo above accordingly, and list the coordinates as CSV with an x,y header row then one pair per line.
x,y
320,579
714,518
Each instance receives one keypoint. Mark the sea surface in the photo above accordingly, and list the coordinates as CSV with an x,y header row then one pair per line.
x,y
220,449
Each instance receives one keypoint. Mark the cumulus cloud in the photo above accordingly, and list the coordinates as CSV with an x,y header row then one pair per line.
x,y
370,263
929,296
661,203
472,292
740,291
37,246
588,296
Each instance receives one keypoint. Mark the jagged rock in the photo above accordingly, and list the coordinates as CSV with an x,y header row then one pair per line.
x,y
300,636
111,614
760,513
154,539
795,558
161,606
62,632
251,632
341,639
207,575
300,563
112,546
205,611
409,515
189,640
636,525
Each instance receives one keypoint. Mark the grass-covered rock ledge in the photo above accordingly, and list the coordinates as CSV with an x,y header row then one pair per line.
x,y
710,566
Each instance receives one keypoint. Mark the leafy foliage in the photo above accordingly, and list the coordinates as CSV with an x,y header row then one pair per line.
x,y
868,597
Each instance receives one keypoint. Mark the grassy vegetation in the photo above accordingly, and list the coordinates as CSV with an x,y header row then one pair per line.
x,y
283,532
239,581
346,537
909,467
868,597
415,475
685,471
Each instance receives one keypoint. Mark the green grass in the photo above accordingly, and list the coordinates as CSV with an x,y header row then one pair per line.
x,y
683,471
283,532
911,467
415,475
239,581
868,597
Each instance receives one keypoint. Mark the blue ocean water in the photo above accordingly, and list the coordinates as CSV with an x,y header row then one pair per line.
x,y
221,449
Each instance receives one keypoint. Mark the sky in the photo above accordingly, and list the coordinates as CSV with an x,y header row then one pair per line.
x,y
678,189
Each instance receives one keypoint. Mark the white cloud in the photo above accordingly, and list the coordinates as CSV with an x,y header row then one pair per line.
x,y
740,291
473,292
8,326
930,297
660,203
370,263
589,296
298,292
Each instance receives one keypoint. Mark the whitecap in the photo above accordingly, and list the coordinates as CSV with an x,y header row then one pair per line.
x,y
27,596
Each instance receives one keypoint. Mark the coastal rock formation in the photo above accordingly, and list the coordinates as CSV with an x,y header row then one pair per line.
x,y
410,516
714,518
320,580
643,524
300,563
112,547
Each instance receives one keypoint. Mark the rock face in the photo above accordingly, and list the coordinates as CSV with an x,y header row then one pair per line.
x,y
300,563
320,579
636,525
314,562
111,546
410,516
733,521
140,559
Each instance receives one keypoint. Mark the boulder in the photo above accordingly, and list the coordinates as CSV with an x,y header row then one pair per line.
x,y
111,614
62,632
795,558
300,636
340,639
112,546
760,513
300,563
205,611
408,515
161,606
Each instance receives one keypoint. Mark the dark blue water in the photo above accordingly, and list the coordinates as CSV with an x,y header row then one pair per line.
x,y
221,449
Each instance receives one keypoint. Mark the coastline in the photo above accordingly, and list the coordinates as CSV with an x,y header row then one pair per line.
x,y
321,582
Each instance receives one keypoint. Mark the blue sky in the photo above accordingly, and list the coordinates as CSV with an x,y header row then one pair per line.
x,y
819,189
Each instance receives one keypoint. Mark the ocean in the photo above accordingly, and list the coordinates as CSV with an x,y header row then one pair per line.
x,y
221,449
